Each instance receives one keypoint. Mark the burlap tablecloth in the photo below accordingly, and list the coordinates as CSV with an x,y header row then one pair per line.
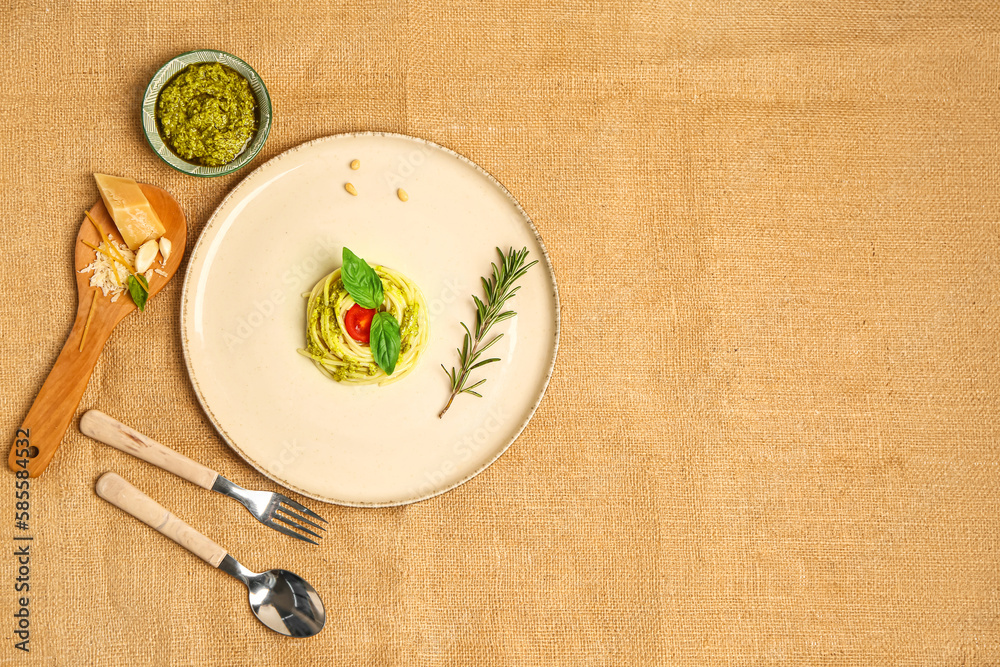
x,y
771,436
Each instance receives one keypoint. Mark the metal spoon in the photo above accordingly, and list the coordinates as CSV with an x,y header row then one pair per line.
x,y
281,600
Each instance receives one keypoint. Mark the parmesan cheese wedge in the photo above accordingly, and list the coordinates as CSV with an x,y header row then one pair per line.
x,y
129,208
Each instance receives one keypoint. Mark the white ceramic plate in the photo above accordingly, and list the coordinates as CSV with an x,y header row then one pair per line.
x,y
243,317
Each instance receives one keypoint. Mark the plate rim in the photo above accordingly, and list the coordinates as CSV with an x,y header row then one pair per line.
x,y
185,345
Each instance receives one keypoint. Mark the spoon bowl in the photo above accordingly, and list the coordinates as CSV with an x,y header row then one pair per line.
x,y
281,600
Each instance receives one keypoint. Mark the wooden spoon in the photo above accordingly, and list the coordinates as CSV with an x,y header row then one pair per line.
x,y
42,431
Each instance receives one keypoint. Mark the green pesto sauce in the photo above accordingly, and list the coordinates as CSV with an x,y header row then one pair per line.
x,y
207,114
408,326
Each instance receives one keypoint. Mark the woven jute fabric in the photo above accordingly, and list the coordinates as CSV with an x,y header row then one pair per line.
x,y
771,437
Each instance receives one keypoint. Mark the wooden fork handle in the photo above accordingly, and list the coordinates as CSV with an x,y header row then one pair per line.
x,y
124,496
110,431
43,428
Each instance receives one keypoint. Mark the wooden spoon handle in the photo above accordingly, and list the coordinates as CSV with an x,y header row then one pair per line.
x,y
57,400
124,496
110,431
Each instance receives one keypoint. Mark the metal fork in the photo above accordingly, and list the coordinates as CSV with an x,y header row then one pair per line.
x,y
267,507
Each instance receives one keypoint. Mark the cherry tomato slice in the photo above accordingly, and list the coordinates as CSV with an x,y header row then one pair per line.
x,y
358,321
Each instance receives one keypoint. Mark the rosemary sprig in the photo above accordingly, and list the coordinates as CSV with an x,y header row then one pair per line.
x,y
499,288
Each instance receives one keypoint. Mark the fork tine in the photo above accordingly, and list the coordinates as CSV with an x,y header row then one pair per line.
x,y
300,507
291,523
289,531
297,517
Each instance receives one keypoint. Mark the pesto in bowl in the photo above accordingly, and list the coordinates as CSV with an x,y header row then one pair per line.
x,y
207,114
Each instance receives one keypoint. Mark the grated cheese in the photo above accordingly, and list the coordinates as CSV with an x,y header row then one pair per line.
x,y
103,271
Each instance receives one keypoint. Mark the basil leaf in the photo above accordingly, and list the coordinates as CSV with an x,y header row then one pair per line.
x,y
384,341
361,281
136,291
